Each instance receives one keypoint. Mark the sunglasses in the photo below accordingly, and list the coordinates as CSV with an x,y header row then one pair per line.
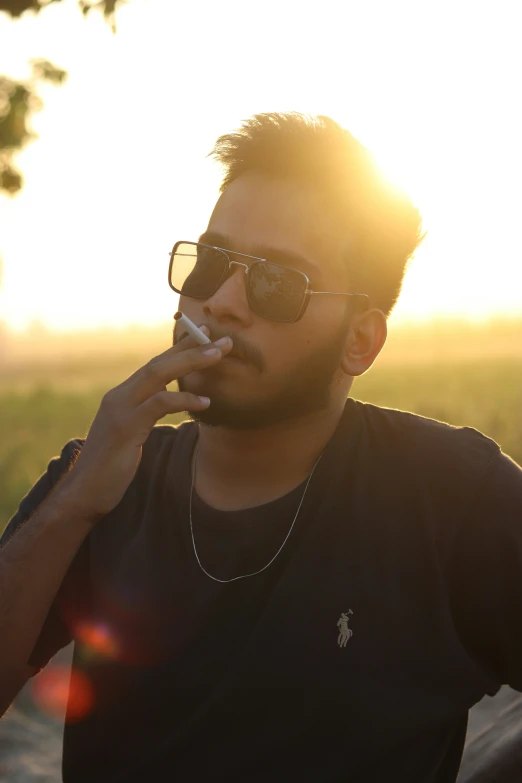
x,y
275,292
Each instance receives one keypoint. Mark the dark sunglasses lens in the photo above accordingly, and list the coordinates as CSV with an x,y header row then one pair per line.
x,y
196,270
275,292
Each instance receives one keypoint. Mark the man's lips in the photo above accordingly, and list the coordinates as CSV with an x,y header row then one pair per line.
x,y
233,354
225,365
236,353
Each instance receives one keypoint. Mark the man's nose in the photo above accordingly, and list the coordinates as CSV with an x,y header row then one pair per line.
x,y
230,302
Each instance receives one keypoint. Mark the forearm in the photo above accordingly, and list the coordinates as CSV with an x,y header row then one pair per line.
x,y
33,564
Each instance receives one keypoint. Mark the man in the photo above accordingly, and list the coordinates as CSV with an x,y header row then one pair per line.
x,y
293,585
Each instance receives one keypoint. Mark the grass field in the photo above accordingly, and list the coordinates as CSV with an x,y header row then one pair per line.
x,y
38,416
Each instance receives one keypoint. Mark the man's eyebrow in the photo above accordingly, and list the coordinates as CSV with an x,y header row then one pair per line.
x,y
285,257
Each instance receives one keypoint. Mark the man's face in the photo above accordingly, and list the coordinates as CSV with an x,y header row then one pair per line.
x,y
290,369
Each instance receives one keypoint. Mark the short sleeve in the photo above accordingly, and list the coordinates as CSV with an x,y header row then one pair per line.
x,y
486,574
57,630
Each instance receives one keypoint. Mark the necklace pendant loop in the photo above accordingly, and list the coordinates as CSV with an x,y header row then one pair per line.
x,y
244,576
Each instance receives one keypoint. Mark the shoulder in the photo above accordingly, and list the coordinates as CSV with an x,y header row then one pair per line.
x,y
421,443
413,432
57,466
66,459
162,437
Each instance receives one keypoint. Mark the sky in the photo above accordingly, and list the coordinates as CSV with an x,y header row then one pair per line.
x,y
120,172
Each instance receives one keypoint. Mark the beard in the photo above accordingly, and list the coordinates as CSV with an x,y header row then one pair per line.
x,y
305,389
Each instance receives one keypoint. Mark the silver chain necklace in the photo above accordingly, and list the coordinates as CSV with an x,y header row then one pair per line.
x,y
280,548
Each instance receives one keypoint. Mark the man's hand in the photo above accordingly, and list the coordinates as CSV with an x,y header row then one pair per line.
x,y
112,452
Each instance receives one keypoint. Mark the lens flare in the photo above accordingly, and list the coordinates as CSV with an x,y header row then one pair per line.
x,y
59,688
98,638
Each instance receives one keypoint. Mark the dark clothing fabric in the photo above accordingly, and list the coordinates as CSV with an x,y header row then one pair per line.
x,y
394,606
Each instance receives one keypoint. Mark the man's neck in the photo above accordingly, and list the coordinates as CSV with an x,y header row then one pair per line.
x,y
243,468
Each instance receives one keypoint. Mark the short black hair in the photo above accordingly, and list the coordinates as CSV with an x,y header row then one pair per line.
x,y
382,225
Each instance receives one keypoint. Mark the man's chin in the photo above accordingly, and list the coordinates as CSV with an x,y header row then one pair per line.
x,y
305,390
260,416
232,417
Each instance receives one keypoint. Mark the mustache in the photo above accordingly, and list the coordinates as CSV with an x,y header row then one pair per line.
x,y
240,350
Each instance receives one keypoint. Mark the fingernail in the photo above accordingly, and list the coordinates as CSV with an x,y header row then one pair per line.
x,y
205,400
210,352
223,341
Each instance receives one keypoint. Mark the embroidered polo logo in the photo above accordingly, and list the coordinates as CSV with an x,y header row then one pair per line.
x,y
344,631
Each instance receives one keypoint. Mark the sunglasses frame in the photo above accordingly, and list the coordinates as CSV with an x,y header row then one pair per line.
x,y
308,292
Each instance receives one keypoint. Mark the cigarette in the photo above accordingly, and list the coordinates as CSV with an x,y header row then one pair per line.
x,y
191,328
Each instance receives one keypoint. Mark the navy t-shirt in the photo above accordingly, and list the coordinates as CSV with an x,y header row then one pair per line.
x,y
394,606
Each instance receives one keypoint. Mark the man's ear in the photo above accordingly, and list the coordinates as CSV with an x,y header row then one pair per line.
x,y
365,340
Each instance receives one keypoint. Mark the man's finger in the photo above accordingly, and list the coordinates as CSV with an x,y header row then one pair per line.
x,y
181,345
155,376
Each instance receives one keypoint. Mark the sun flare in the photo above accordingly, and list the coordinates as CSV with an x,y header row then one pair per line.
x,y
119,171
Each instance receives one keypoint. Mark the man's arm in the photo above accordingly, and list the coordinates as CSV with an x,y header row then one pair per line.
x,y
486,574
33,564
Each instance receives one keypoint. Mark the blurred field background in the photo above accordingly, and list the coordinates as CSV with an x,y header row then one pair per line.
x,y
51,385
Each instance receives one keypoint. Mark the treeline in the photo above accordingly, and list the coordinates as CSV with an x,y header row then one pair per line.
x,y
415,342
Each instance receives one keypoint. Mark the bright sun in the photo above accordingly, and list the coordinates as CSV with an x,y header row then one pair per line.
x,y
119,171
